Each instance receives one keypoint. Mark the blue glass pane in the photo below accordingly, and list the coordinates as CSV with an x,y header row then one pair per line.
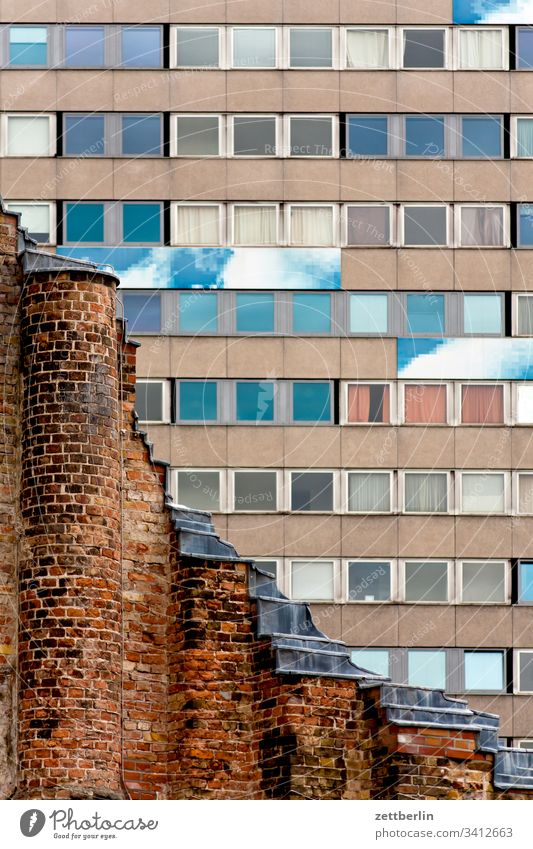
x,y
198,312
482,136
255,402
198,401
311,313
424,135
84,47
525,224
426,669
367,135
375,660
311,402
483,670
141,222
143,312
141,135
28,46
368,313
525,48
255,313
526,582
482,314
84,135
425,313
85,222
141,47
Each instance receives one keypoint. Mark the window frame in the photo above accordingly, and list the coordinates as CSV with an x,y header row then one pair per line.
x,y
449,386
287,130
392,209
393,402
287,483
174,222
334,30
402,477
456,46
460,580
400,31
252,204
165,399
343,51
402,584
230,46
507,420
345,482
424,205
230,131
458,208
174,122
484,473
52,133
393,573
516,671
52,216
280,495
174,47
222,483
287,214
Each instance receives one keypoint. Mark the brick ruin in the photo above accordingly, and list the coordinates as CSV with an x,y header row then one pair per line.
x,y
140,657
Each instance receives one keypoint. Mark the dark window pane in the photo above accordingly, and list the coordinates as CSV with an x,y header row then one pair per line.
x,y
255,402
198,47
525,48
84,135
255,312
311,313
141,47
311,402
85,222
149,401
368,225
253,136
426,581
425,225
423,48
368,135
312,491
141,135
369,581
143,312
198,401
425,313
255,491
84,47
254,47
424,135
199,490
482,136
142,222
311,137
525,212
310,48
198,135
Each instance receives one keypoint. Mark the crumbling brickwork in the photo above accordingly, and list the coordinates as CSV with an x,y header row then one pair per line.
x,y
144,663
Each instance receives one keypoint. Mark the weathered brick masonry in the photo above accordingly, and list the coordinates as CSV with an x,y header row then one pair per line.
x,y
149,660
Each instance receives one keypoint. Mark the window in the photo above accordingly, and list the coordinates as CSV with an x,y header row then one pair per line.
x,y
141,223
141,135
151,400
481,136
84,47
312,580
524,137
424,135
255,491
367,48
480,49
268,566
29,135
525,582
312,491
482,404
525,225
483,670
143,312
311,402
525,315
369,313
425,403
524,48
255,225
198,401
36,217
199,312
28,46
84,223
197,47
310,47
426,581
369,580
198,135
199,490
312,225
525,671
197,224
255,312
426,492
481,226
425,314
311,135
255,401
254,47
524,404
254,135
369,492
368,226
425,226
426,668
369,403
373,660
482,314
141,47
482,492
367,135
483,582
311,313
84,135
424,48
525,493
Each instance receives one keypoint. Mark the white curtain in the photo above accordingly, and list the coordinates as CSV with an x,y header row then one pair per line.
x,y
254,225
311,225
28,136
481,48
312,580
426,493
198,225
481,226
367,48
368,493
525,403
483,493
524,137
525,316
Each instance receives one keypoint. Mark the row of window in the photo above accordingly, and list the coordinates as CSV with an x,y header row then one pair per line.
x,y
266,47
396,314
351,136
389,580
362,492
